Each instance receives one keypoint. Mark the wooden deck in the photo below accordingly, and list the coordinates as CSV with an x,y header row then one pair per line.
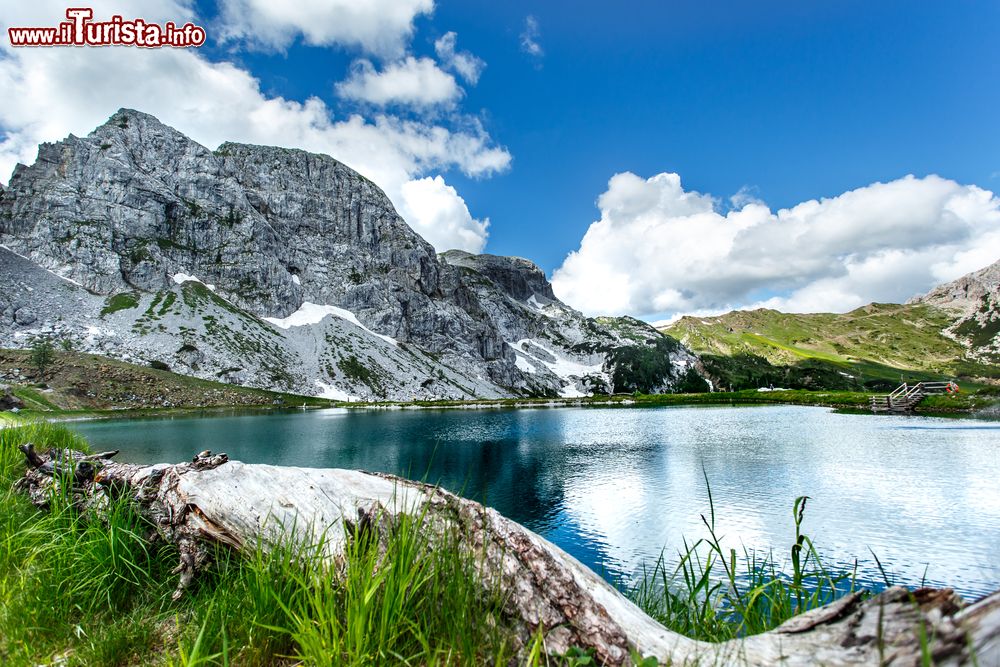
x,y
906,397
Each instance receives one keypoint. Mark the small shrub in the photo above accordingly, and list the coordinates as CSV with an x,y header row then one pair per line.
x,y
42,355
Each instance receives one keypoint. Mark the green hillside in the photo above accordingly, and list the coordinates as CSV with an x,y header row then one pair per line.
x,y
872,347
90,383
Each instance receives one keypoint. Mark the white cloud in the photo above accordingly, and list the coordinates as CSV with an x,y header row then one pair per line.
x,y
381,27
529,37
468,66
413,81
440,215
659,250
745,195
53,92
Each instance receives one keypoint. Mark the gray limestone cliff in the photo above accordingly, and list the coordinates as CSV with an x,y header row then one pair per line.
x,y
280,268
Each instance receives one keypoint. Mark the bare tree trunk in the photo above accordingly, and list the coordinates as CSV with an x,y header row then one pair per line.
x,y
212,500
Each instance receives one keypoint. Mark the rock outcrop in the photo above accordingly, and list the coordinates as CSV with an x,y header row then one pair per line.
x,y
280,268
8,401
974,300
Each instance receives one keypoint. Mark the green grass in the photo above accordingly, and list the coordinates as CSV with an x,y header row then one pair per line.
x,y
752,595
33,398
95,592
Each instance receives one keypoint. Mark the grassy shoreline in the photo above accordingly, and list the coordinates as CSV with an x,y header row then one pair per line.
x,y
842,401
79,591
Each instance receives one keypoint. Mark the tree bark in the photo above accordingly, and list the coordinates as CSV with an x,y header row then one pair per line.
x,y
212,500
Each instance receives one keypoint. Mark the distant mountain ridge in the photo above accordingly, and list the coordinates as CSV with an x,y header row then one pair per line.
x,y
282,269
952,331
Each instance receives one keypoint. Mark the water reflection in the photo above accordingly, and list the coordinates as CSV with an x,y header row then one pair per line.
x,y
614,486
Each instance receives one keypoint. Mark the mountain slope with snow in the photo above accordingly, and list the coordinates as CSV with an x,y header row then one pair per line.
x,y
282,269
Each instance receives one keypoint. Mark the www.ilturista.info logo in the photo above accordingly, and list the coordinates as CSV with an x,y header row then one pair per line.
x,y
81,30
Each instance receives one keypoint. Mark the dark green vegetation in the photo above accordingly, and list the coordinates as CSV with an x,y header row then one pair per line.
x,y
123,301
95,592
643,365
872,348
359,372
640,368
78,383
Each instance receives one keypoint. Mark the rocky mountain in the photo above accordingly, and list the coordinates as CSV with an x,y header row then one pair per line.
x,y
974,302
286,270
950,332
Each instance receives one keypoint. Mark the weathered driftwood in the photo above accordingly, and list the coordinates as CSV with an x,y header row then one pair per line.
x,y
212,500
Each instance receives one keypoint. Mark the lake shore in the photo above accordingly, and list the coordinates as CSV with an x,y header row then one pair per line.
x,y
947,405
85,387
841,400
126,604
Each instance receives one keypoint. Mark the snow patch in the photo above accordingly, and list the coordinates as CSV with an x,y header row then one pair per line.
x,y
562,366
570,391
333,393
311,313
69,280
522,362
97,332
550,310
296,280
181,278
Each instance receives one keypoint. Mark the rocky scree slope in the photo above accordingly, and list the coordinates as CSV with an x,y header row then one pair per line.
x,y
283,269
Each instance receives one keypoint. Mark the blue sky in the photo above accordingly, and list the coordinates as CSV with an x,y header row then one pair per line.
x,y
784,101
796,100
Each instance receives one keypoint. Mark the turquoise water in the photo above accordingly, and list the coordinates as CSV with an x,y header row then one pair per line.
x,y
615,486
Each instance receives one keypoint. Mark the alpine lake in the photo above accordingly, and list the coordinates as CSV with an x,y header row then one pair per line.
x,y
906,499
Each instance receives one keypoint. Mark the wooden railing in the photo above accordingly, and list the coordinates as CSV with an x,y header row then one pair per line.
x,y
906,396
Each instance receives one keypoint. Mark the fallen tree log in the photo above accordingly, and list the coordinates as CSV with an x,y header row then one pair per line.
x,y
212,500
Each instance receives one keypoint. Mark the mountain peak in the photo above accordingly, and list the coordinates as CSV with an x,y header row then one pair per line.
x,y
131,119
964,294
283,268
